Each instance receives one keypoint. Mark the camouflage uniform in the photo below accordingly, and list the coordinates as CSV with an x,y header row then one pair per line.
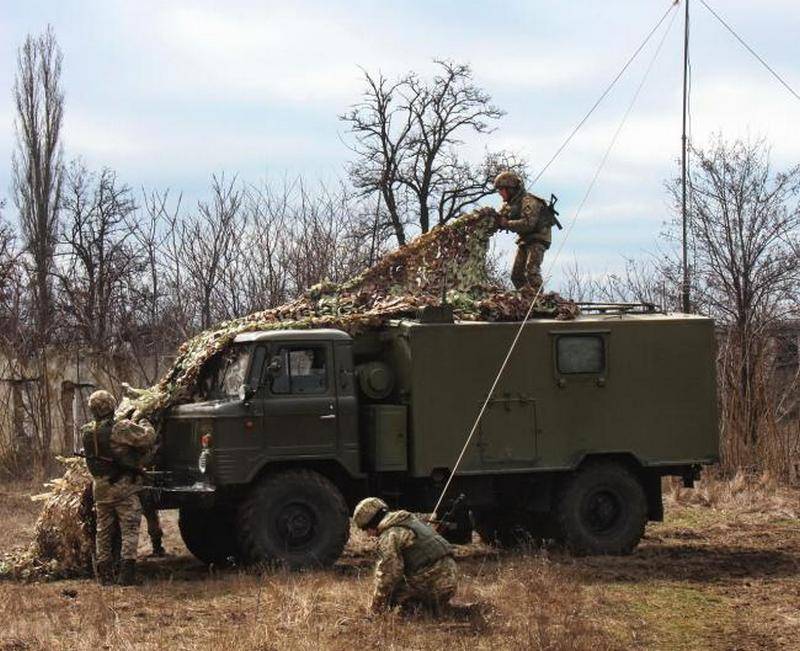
x,y
154,531
397,581
113,453
527,216
532,219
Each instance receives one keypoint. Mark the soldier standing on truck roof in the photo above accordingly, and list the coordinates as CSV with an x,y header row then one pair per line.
x,y
415,564
114,455
532,219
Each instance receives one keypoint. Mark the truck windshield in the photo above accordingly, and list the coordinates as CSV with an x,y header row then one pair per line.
x,y
226,373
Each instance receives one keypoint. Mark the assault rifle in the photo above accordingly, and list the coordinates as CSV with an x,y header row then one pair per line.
x,y
451,520
553,212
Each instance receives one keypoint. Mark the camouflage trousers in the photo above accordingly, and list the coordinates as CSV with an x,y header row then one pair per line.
x,y
150,513
117,502
527,269
432,587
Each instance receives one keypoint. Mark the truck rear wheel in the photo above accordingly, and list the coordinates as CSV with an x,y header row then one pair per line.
x,y
210,534
297,518
602,509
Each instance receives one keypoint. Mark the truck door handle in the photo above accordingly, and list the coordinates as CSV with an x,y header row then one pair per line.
x,y
328,417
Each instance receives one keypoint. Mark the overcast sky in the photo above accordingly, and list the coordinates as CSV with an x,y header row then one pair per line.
x,y
167,93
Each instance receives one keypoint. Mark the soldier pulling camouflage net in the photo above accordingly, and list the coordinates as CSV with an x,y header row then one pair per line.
x,y
449,258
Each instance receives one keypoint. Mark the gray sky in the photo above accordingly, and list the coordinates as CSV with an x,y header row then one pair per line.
x,y
167,93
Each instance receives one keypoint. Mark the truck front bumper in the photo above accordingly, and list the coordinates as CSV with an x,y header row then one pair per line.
x,y
172,492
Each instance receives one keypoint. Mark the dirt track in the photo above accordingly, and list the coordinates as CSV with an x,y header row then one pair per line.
x,y
725,576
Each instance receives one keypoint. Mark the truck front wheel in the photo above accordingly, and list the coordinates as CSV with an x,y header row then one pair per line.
x,y
296,518
602,510
209,534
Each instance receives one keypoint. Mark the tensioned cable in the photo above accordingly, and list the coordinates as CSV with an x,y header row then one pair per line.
x,y
604,93
750,50
550,268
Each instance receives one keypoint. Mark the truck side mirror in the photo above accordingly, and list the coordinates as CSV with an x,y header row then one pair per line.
x,y
246,392
275,365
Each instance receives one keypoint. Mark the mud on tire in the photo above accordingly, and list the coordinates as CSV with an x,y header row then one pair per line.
x,y
296,518
602,509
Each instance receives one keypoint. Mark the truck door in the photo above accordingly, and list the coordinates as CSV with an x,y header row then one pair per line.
x,y
300,409
507,434
581,406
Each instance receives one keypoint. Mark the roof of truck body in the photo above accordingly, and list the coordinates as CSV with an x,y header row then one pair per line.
x,y
582,319
328,334
325,334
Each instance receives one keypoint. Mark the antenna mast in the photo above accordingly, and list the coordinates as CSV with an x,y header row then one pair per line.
x,y
685,289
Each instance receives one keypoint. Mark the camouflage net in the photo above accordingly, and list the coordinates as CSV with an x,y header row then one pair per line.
x,y
63,539
448,261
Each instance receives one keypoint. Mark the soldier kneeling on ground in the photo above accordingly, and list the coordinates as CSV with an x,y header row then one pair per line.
x,y
415,564
114,455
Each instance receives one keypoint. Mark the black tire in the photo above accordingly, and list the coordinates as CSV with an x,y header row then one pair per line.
x,y
602,509
210,534
296,518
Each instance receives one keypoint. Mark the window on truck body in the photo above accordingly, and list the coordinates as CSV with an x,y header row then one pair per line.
x,y
580,354
304,370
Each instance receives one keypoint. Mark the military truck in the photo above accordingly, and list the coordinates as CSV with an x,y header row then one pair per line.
x,y
290,428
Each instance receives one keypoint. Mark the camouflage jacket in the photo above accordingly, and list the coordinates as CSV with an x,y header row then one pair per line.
x,y
132,444
393,540
528,217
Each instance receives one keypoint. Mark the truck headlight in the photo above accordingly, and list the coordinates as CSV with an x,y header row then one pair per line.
x,y
202,461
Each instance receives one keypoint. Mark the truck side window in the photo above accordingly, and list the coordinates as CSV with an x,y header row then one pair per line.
x,y
303,370
580,354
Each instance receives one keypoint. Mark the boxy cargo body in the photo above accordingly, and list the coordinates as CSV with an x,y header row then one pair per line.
x,y
297,426
643,385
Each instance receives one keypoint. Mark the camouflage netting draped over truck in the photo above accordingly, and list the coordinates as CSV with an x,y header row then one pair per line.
x,y
450,260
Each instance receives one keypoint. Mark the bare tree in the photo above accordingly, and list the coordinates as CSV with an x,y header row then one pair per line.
x,y
38,164
98,263
745,221
151,327
37,168
408,134
210,243
12,289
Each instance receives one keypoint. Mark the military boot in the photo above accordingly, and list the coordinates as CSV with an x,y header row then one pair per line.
x,y
127,572
158,548
105,573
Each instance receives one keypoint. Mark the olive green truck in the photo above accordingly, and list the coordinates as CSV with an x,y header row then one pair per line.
x,y
290,428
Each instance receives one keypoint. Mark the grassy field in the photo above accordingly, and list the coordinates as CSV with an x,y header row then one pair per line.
x,y
722,572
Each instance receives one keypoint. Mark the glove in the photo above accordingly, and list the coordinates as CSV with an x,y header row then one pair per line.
x,y
500,221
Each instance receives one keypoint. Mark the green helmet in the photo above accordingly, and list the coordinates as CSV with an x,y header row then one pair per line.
x,y
102,404
367,509
507,179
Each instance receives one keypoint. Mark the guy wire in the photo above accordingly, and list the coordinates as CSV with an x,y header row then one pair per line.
x,y
549,272
604,93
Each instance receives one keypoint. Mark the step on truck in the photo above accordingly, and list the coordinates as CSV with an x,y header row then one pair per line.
x,y
289,429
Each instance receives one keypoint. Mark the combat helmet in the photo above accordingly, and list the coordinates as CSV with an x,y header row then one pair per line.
x,y
507,179
367,509
102,404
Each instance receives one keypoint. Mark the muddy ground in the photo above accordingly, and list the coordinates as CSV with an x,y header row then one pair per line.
x,y
722,572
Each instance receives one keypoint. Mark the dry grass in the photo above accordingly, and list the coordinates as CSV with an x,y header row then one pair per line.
x,y
722,572
750,494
